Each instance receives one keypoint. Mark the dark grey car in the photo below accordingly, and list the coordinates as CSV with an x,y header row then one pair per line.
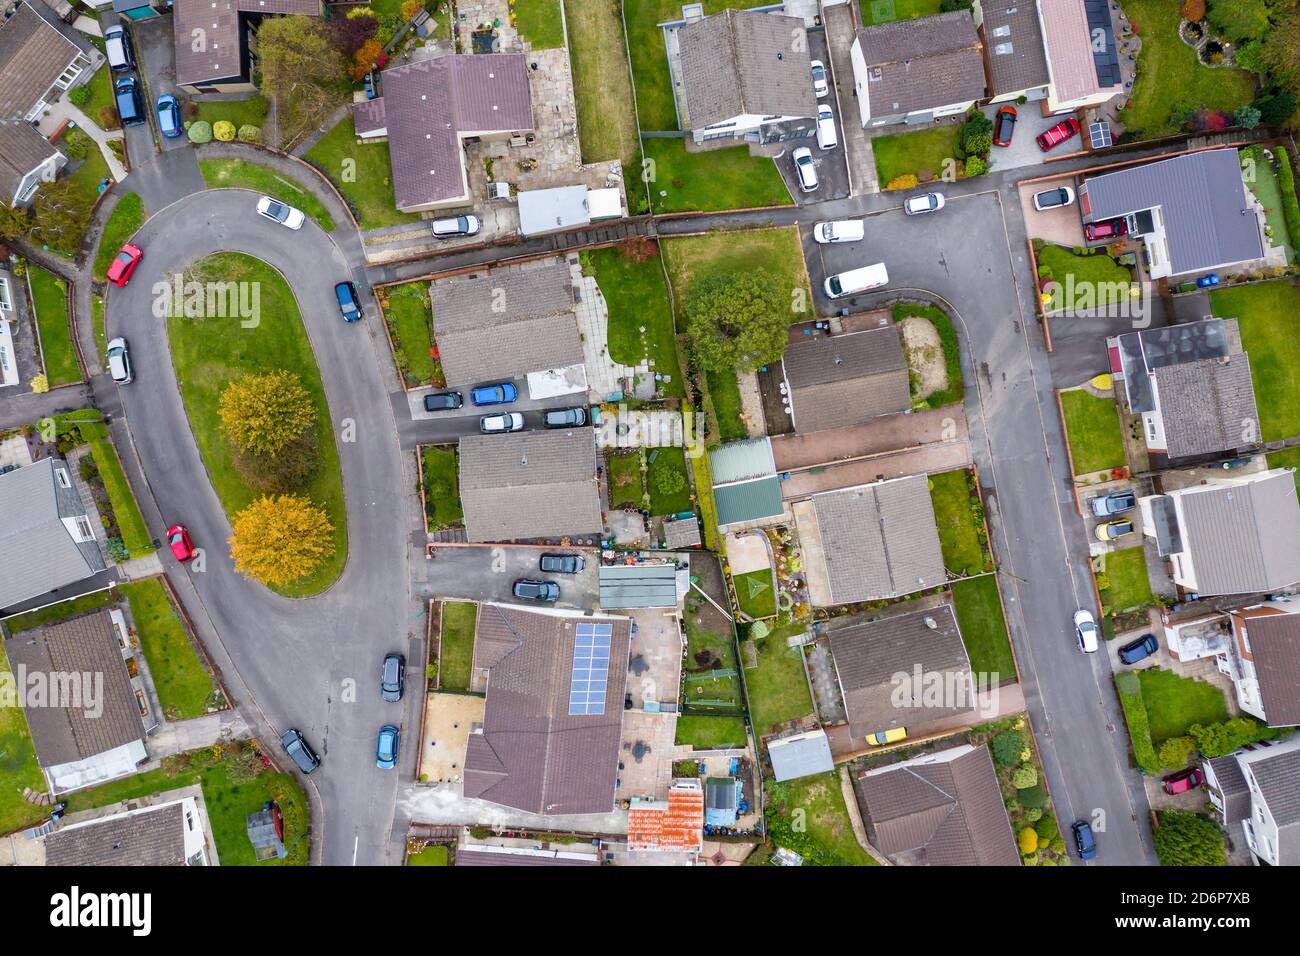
x,y
296,746
529,590
393,678
565,418
562,563
1116,503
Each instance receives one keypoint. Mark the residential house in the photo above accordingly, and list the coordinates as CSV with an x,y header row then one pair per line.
x,y
675,824
939,809
847,379
553,717
1014,57
1192,386
743,76
430,108
169,829
530,485
1082,56
746,489
9,374
87,728
870,542
1192,212
47,540
907,670
915,71
1228,535
1228,792
800,755
1272,776
215,41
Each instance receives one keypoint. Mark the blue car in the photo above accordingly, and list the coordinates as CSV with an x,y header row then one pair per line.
x,y
386,751
126,96
1206,282
1084,841
346,294
169,116
1139,650
502,393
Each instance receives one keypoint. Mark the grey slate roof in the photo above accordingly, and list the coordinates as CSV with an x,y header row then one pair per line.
x,y
430,104
1232,787
1150,349
1275,650
1207,406
879,540
22,149
872,657
505,323
638,585
1243,538
223,56
1013,39
154,837
532,755
37,554
682,533
940,814
537,484
922,64
33,52
800,755
1208,221
83,645
744,62
1278,777
840,380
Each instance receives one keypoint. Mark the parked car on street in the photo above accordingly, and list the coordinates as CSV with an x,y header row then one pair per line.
x,y
1057,198
282,213
1139,650
387,746
442,401
392,678
926,202
345,293
827,138
856,280
561,563
501,423
169,116
119,361
805,169
1058,134
500,393
527,589
1085,631
1182,781
1115,503
820,86
1084,842
1106,229
118,51
565,417
454,227
123,264
841,230
1004,126
179,540
296,746
126,96
1110,530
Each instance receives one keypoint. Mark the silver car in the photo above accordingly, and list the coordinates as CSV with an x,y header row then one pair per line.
x,y
805,168
119,361
454,227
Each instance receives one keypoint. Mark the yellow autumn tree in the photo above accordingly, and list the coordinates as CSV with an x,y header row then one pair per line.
x,y
261,414
279,539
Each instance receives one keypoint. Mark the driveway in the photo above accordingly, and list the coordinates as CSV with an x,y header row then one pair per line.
x,y
156,62
832,173
486,573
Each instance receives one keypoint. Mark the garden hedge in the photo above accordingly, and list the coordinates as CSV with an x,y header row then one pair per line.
x,y
1290,205
1135,715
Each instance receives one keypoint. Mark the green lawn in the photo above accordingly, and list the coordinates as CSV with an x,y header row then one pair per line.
x,y
441,488
1267,315
1092,424
983,628
886,11
724,391
1290,458
809,817
97,320
703,648
208,353
229,801
960,529
434,855
654,94
911,153
951,350
625,484
668,461
361,171
408,312
457,663
1169,73
1175,703
754,593
1264,184
778,689
1128,586
1086,282
539,22
249,112
184,685
637,297
50,297
710,732
101,90
715,180
64,609
18,766
241,174
130,522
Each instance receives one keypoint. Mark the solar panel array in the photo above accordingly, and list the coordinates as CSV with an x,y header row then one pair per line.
x,y
1105,55
1099,134
590,668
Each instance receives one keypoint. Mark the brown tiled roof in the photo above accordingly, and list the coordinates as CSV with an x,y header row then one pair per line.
x,y
220,56
154,837
1013,43
922,64
32,55
22,149
507,322
1207,406
940,812
87,644
430,105
871,656
741,62
1232,788
846,379
1275,649
1068,42
532,754
369,116
673,824
535,484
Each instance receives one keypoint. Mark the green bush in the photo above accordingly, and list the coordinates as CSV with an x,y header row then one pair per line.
x,y
1024,778
1175,751
1028,841
1221,739
1290,205
1033,798
249,133
1188,839
1046,826
1006,748
975,166
79,96
200,131
1135,715
223,131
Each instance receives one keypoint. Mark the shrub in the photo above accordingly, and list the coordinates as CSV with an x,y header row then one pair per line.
x,y
411,9
1024,778
669,481
117,550
249,133
1174,752
978,144
1006,748
1046,827
1135,715
975,166
223,131
1247,117
1290,205
79,96
200,131
1276,109
1193,10
1221,739
40,384
907,181
1028,841
1188,839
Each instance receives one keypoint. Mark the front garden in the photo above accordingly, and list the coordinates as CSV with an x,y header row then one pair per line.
x,y
184,684
945,153
50,302
1024,790
456,660
362,173
1123,581
947,332
713,180
408,315
978,606
242,174
442,507
1092,431
959,516
1082,280
1266,314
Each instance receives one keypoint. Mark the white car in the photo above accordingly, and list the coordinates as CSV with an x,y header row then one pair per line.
x,y
826,136
279,212
1057,198
820,86
504,422
119,361
841,230
927,202
805,169
1085,631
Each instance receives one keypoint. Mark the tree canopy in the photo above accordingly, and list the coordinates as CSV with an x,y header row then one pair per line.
x,y
278,540
1189,839
262,414
738,321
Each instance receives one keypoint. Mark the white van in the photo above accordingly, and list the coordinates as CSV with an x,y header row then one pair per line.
x,y
841,230
856,280
826,137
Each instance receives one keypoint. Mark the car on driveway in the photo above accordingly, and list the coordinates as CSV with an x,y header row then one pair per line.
x,y
1084,842
126,96
1139,650
1183,781
1106,229
443,401
501,423
345,293
277,211
179,540
820,86
296,746
119,361
565,417
123,264
455,227
169,116
827,138
1110,530
1058,134
392,678
841,230
527,589
1004,126
1085,631
501,393
891,736
117,50
926,202
561,563
1115,503
1057,198
805,169
387,746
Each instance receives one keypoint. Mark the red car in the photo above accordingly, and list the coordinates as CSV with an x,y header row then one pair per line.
x,y
119,273
179,539
1183,781
1106,229
1058,134
1004,125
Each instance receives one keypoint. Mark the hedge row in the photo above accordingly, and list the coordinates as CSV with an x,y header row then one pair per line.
x,y
1135,715
1290,205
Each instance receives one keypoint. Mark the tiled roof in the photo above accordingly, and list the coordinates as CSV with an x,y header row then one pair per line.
x,y
672,824
1207,406
1232,787
33,52
153,837
1013,43
1069,45
922,64
846,379
1275,649
22,149
220,54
